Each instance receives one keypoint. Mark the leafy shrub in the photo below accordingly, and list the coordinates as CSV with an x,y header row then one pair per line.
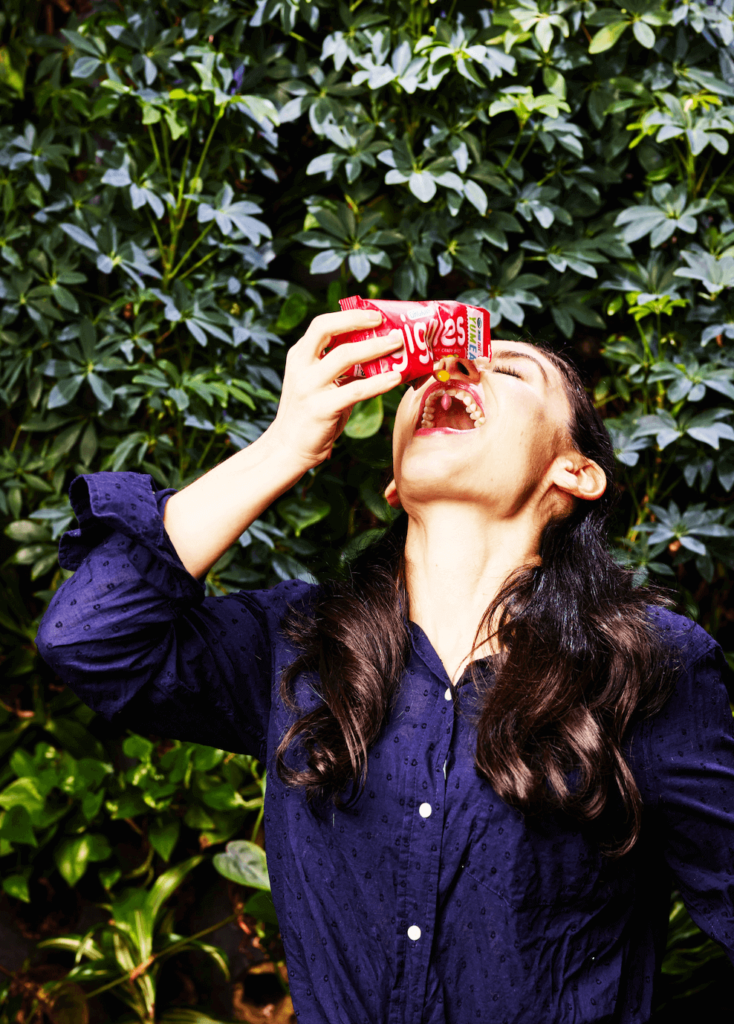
x,y
183,186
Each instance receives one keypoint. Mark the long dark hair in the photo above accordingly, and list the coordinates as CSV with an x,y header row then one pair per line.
x,y
579,656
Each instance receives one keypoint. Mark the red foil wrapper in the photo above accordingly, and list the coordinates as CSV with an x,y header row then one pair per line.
x,y
431,330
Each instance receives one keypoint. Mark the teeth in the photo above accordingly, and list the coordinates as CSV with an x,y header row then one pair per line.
x,y
443,396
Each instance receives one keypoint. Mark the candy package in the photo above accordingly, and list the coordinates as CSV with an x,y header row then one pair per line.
x,y
431,330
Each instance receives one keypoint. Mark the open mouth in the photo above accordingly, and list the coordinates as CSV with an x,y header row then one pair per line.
x,y
451,408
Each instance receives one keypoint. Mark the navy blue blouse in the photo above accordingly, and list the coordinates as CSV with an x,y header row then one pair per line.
x,y
434,901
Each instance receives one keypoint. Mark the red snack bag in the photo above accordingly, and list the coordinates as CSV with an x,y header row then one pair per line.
x,y
431,330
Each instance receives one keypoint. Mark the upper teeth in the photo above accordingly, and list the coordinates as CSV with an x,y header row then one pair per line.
x,y
475,413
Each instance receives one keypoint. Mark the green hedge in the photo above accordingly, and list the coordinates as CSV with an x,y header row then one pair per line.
x,y
184,185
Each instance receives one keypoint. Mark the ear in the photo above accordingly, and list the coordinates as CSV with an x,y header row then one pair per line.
x,y
391,495
579,477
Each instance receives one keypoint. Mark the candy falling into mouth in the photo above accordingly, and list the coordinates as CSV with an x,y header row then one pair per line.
x,y
452,409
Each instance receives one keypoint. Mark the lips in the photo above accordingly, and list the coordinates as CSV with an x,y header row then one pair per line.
x,y
464,413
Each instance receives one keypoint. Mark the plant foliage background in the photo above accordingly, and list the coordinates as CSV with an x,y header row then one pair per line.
x,y
183,186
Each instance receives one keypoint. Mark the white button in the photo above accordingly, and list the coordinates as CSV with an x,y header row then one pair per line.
x,y
447,695
414,932
425,810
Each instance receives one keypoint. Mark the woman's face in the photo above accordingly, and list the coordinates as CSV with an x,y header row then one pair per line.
x,y
496,440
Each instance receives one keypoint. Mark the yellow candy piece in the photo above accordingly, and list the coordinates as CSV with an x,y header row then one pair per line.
x,y
442,375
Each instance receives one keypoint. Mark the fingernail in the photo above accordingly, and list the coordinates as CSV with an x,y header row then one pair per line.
x,y
375,315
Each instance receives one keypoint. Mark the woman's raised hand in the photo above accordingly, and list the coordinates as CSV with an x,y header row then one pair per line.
x,y
206,517
313,409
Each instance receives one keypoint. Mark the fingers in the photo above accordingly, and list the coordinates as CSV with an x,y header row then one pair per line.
x,y
391,495
340,359
323,328
360,390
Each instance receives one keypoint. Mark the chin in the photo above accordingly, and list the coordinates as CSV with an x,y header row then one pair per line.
x,y
438,475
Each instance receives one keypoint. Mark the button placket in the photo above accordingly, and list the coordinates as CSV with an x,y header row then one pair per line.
x,y
424,903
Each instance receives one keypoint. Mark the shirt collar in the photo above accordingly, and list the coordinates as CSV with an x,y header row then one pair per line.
x,y
425,650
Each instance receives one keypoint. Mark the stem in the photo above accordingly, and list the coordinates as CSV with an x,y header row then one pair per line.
x,y
258,822
185,164
16,436
508,161
169,175
529,145
202,260
197,935
294,35
175,223
723,173
164,952
200,164
207,449
159,240
97,298
631,491
705,171
155,148
191,248
680,158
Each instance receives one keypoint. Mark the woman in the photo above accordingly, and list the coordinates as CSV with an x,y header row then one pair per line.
x,y
488,756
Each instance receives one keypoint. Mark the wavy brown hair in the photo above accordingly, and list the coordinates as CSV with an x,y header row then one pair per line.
x,y
580,656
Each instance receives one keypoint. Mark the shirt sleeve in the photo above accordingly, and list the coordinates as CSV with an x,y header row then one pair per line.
x,y
133,634
689,757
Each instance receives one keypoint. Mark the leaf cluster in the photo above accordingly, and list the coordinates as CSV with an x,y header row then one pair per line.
x,y
184,186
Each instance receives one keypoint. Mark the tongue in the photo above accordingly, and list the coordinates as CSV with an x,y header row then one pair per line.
x,y
452,414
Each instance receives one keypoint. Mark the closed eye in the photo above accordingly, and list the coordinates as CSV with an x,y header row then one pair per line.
x,y
508,370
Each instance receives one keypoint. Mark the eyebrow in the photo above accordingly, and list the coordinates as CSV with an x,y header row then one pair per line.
x,y
514,354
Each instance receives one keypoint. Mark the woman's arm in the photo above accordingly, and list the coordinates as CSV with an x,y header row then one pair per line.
x,y
205,518
689,791
132,631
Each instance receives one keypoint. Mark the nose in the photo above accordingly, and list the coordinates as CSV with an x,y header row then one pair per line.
x,y
456,368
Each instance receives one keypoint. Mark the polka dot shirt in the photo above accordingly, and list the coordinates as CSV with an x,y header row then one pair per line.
x,y
433,902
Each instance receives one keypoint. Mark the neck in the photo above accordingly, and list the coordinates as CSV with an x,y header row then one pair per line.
x,y
456,559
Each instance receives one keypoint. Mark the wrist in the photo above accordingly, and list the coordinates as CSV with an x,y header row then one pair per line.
x,y
282,455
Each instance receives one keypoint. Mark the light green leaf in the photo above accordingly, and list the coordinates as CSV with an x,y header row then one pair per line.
x,y
16,885
292,312
544,34
23,792
607,37
476,196
366,418
643,34
244,863
301,513
85,66
72,856
422,186
167,883
25,531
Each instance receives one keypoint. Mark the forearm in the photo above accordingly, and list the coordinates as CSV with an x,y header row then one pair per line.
x,y
209,515
205,518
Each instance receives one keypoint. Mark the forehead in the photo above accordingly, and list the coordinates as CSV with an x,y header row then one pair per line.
x,y
553,377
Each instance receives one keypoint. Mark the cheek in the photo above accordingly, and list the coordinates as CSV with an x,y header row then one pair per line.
x,y
401,432
525,440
